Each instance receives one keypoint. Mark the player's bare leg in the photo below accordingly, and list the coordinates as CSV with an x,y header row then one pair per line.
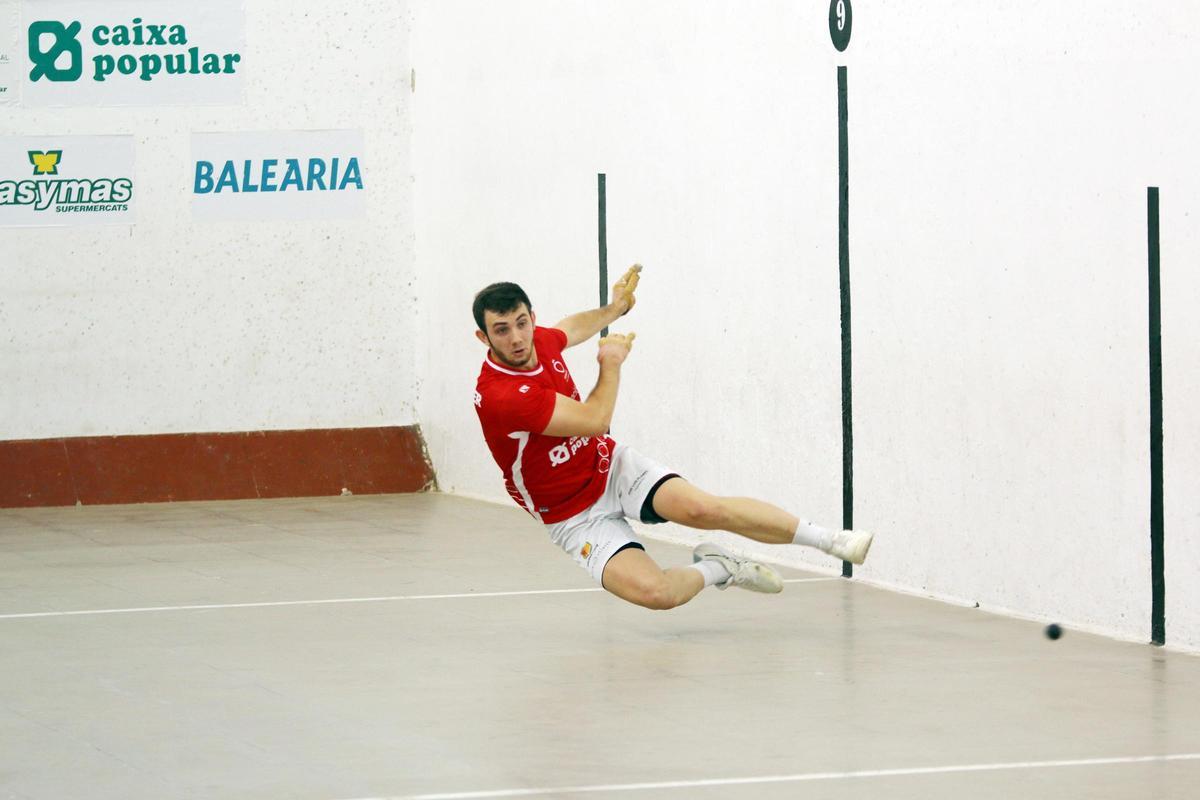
x,y
632,575
681,502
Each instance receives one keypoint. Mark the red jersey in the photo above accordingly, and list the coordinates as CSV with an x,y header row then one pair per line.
x,y
551,477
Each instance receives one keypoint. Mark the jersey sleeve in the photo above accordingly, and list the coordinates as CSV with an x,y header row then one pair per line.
x,y
558,337
514,410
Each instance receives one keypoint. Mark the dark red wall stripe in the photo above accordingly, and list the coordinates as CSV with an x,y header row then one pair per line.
x,y
212,466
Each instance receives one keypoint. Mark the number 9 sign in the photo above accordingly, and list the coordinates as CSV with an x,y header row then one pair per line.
x,y
840,17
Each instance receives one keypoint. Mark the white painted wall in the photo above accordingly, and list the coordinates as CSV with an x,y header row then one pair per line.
x,y
1181,411
999,161
175,326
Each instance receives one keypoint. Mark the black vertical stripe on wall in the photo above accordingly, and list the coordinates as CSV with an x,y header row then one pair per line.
x,y
603,234
844,282
1158,611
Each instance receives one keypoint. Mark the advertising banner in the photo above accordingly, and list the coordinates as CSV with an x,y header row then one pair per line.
x,y
283,175
123,53
10,42
66,180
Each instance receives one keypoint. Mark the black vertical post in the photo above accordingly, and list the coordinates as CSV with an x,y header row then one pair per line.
x,y
603,247
1158,611
844,272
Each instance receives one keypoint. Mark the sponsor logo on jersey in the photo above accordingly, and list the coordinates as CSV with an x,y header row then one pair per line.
x,y
561,454
604,464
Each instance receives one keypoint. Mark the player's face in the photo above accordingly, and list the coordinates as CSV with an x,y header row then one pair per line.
x,y
511,337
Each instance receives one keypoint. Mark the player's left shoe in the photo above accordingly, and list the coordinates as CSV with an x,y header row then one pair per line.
x,y
742,571
851,546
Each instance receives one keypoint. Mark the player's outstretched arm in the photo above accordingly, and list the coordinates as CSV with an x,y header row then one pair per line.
x,y
586,324
593,416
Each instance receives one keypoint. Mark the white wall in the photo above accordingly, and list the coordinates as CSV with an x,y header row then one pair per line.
x,y
999,162
175,326
518,110
1181,409
1009,170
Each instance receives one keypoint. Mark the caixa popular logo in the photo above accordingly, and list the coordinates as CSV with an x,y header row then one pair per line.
x,y
46,191
331,174
150,51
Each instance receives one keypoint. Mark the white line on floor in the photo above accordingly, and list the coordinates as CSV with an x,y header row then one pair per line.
x,y
809,776
330,601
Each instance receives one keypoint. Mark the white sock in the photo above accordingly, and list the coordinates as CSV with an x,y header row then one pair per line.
x,y
812,535
713,571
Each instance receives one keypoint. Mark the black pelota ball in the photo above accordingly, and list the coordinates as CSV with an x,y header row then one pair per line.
x,y
1053,631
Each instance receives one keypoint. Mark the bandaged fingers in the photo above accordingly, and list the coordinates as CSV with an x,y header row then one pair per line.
x,y
623,290
615,346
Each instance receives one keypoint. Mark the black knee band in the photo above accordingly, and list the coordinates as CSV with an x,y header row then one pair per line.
x,y
649,515
627,546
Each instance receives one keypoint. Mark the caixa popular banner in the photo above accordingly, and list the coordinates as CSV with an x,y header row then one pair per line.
x,y
66,180
10,44
151,52
278,175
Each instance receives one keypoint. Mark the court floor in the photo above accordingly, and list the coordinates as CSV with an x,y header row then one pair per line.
x,y
434,646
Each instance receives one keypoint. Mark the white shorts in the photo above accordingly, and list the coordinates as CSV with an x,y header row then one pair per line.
x,y
597,533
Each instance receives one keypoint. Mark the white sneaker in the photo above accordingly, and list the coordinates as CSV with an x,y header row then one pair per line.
x,y
742,572
851,546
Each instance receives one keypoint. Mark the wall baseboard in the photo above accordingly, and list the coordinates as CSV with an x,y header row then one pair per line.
x,y
99,470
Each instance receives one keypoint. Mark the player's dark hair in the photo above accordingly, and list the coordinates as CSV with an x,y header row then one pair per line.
x,y
499,298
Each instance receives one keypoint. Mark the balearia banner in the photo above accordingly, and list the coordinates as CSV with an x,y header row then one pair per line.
x,y
278,175
10,43
121,53
66,180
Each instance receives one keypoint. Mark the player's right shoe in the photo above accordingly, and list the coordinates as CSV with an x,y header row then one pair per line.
x,y
851,546
742,571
